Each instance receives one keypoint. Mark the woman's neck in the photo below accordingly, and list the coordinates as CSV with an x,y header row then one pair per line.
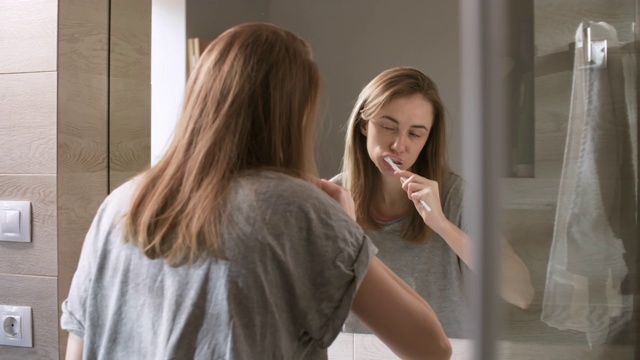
x,y
389,201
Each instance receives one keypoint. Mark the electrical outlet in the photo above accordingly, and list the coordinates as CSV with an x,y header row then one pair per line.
x,y
16,326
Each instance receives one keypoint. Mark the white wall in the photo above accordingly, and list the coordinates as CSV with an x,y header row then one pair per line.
x,y
168,70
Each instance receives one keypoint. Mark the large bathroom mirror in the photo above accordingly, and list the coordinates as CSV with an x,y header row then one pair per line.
x,y
352,42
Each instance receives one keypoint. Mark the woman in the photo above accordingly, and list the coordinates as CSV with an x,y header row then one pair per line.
x,y
414,215
229,248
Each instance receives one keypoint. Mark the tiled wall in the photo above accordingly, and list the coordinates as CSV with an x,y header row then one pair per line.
x,y
83,27
53,135
28,90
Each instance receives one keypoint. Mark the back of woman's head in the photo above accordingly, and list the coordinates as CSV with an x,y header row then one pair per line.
x,y
249,104
360,174
252,96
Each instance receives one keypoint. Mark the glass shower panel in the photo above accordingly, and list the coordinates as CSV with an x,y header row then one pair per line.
x,y
574,223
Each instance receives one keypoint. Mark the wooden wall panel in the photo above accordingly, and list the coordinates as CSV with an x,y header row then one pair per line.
x,y
556,23
76,210
29,31
553,100
129,89
80,195
82,128
28,123
129,129
82,123
38,257
40,294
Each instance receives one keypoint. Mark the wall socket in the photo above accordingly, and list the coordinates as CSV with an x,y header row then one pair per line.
x,y
16,329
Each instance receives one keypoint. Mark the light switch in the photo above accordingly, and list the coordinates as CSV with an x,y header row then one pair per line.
x,y
10,221
15,221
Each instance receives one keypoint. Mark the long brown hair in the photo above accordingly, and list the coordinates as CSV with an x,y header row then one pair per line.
x,y
250,103
360,174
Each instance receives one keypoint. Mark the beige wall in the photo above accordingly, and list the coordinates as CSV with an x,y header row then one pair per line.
x,y
83,37
54,117
28,88
129,89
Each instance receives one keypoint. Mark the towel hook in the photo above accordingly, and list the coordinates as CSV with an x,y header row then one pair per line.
x,y
587,44
595,52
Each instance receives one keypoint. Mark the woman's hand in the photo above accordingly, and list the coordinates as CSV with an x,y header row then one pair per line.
x,y
420,188
339,194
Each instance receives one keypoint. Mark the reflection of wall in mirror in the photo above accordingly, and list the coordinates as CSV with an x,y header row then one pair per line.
x,y
352,42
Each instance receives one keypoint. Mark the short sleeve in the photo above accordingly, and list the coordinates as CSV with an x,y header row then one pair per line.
x,y
331,264
353,268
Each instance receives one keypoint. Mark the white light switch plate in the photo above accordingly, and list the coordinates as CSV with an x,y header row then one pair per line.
x,y
15,221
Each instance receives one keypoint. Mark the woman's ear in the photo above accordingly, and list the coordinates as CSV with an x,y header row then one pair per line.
x,y
364,124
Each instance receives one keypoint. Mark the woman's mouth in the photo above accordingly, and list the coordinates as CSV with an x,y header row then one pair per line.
x,y
393,162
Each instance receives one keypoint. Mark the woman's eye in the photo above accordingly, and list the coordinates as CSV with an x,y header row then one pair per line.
x,y
416,135
388,127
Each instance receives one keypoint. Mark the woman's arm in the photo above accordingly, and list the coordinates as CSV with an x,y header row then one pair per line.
x,y
515,285
389,307
74,347
399,316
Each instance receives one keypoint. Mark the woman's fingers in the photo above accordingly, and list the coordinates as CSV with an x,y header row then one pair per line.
x,y
420,189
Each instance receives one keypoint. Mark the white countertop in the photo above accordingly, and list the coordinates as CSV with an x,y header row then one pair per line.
x,y
365,346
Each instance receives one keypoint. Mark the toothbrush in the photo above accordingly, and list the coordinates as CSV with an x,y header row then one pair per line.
x,y
396,168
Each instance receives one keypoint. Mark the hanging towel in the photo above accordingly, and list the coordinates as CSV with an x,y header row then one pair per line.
x,y
595,219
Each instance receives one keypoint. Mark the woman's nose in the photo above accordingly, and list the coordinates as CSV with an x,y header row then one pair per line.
x,y
398,143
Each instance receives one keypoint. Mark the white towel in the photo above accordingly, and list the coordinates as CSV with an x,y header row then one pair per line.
x,y
596,210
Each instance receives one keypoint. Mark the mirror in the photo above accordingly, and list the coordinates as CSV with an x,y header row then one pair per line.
x,y
352,42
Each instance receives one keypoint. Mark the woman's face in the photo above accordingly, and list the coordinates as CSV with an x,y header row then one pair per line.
x,y
398,130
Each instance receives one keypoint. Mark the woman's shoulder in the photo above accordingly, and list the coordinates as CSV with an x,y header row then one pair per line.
x,y
452,191
452,184
281,189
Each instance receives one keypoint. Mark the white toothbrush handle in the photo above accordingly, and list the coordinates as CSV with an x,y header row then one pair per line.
x,y
424,203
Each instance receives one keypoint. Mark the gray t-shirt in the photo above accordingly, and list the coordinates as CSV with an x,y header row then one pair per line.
x,y
295,260
432,269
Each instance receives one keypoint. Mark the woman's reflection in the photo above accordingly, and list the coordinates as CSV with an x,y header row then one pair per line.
x,y
414,215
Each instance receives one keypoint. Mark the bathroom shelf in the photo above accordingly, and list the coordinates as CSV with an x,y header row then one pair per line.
x,y
529,193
